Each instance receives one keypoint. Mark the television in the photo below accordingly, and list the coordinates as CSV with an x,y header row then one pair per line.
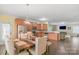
x,y
62,27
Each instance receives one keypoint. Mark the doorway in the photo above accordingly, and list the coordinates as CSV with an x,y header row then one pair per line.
x,y
6,31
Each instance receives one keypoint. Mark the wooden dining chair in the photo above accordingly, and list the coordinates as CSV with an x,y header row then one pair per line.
x,y
10,49
40,46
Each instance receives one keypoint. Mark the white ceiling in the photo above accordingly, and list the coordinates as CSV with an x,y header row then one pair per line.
x,y
53,12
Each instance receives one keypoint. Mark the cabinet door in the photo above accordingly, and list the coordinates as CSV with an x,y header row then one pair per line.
x,y
53,36
19,21
40,27
45,27
29,27
34,26
40,34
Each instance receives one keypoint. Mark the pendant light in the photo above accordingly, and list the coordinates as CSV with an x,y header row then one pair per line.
x,y
27,17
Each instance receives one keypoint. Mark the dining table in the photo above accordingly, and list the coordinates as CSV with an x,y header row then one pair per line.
x,y
20,44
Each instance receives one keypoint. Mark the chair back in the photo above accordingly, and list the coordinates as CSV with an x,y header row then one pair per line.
x,y
40,45
9,46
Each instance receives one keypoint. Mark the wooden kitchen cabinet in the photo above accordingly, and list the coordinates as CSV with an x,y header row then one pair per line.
x,y
45,27
42,27
19,21
34,26
53,36
40,34
29,27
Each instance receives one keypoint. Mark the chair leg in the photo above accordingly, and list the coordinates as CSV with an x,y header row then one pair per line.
x,y
17,51
29,52
6,52
46,50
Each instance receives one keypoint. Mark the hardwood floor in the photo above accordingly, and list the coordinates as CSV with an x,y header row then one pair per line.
x,y
65,47
2,49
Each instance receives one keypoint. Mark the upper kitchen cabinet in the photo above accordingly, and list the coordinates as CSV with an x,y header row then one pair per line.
x,y
42,27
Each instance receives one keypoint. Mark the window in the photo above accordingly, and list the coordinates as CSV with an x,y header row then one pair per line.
x,y
75,29
6,31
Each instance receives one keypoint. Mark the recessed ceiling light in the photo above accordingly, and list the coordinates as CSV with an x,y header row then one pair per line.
x,y
42,19
62,23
